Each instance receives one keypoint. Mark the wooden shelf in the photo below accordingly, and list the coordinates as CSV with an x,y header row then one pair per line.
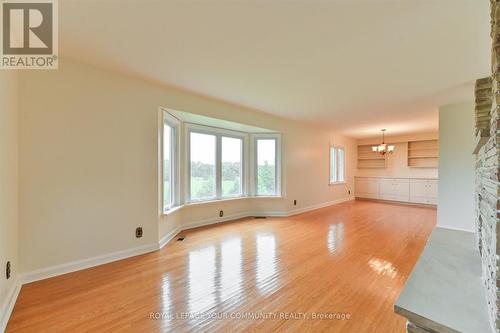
x,y
423,154
414,157
368,159
422,149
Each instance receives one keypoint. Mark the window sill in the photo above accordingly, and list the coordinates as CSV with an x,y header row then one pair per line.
x,y
338,183
172,210
209,201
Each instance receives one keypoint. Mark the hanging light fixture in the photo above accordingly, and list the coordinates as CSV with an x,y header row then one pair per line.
x,y
383,148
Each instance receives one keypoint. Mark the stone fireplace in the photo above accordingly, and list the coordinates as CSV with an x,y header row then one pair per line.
x,y
487,97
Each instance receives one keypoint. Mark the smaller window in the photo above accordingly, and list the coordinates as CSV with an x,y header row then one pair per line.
x,y
232,167
267,165
337,165
202,166
169,160
341,165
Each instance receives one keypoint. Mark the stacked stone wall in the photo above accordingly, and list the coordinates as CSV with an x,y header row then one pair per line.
x,y
487,96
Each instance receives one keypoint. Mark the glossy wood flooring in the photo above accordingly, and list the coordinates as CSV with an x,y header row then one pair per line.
x,y
347,260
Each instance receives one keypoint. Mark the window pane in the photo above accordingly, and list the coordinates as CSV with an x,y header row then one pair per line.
x,y
333,165
167,166
266,166
231,171
202,148
341,165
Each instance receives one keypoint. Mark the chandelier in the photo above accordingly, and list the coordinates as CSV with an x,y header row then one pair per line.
x,y
383,148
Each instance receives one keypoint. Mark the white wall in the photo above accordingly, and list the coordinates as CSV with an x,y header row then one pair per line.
x,y
456,167
8,184
397,162
88,163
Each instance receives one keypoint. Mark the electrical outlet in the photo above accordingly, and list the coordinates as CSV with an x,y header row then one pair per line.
x,y
221,213
295,202
7,270
138,232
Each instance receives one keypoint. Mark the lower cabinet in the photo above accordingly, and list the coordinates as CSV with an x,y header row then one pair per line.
x,y
395,189
367,188
423,191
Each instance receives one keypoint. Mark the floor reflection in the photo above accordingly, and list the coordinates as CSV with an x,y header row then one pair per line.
x,y
201,279
266,270
383,267
166,296
231,276
166,300
335,237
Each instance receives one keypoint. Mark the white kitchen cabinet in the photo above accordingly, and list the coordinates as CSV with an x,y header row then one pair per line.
x,y
367,188
432,192
395,189
423,191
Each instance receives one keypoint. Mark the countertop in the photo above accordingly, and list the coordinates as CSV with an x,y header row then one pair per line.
x,y
445,291
394,177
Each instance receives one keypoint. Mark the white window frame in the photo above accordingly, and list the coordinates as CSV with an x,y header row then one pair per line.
x,y
218,133
268,136
335,165
174,123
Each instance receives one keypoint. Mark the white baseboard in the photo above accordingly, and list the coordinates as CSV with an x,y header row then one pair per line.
x,y
209,221
168,237
8,304
77,265
318,206
270,213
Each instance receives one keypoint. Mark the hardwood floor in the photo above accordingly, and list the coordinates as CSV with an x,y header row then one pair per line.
x,y
350,259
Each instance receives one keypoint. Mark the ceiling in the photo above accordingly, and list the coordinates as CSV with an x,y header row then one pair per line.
x,y
353,66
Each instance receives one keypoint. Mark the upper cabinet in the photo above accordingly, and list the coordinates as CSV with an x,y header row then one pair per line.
x,y
368,159
423,154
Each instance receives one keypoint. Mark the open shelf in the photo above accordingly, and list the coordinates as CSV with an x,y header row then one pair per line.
x,y
368,159
423,154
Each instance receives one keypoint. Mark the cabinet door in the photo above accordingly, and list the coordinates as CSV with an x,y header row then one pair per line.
x,y
387,189
402,190
418,191
367,188
432,191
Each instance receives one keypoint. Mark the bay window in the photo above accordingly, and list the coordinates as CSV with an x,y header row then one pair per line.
x,y
217,163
